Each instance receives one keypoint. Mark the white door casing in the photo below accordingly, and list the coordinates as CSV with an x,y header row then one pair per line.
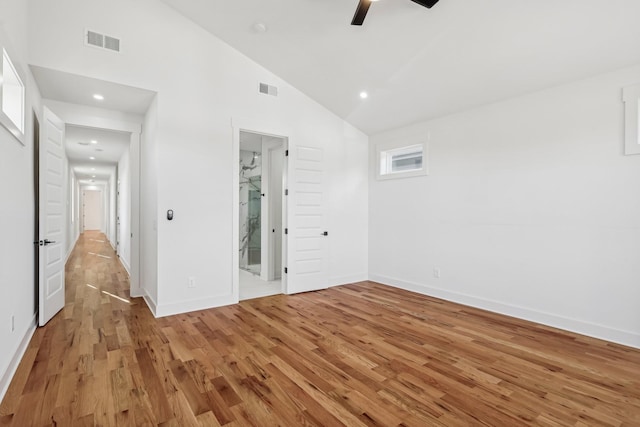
x,y
307,261
267,129
52,259
82,118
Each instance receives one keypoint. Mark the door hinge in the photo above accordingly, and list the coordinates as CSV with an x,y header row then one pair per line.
x,y
286,153
286,192
286,270
286,231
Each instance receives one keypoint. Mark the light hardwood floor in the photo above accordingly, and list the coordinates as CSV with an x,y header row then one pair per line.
x,y
357,355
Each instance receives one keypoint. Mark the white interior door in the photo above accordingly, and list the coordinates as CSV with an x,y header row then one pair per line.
x,y
51,216
308,237
92,203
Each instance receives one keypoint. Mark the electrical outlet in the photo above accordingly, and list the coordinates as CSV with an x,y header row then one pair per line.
x,y
436,273
13,323
191,283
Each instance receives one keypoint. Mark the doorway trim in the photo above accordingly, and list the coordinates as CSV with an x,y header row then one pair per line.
x,y
78,117
267,129
36,215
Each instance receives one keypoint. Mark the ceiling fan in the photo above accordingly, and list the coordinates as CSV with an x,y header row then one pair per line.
x,y
363,8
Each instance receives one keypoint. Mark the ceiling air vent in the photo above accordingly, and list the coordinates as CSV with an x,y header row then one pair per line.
x,y
92,38
268,89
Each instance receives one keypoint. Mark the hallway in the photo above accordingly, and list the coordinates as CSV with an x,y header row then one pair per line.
x,y
71,366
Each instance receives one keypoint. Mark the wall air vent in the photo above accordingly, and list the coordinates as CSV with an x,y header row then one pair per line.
x,y
92,38
268,89
95,39
112,43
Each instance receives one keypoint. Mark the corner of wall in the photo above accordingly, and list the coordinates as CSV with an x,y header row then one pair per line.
x,y
151,303
193,305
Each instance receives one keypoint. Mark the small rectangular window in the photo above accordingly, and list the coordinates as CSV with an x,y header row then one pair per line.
x,y
12,98
402,161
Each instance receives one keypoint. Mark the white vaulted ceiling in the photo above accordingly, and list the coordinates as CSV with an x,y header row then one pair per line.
x,y
419,63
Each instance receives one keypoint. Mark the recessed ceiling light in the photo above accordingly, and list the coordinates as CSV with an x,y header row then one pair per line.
x,y
92,158
93,176
364,95
93,141
98,97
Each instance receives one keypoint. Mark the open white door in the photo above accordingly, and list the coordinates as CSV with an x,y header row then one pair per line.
x,y
308,237
51,216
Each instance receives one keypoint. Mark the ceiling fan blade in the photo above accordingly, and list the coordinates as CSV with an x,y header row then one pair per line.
x,y
426,3
361,12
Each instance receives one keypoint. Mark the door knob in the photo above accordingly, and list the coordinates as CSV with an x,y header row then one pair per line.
x,y
326,233
48,242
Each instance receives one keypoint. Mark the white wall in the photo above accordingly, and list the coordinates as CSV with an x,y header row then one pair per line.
x,y
113,206
530,209
72,211
101,118
348,198
106,208
124,210
17,290
201,87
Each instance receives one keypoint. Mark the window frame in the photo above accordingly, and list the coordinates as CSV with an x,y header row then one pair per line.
x,y
388,149
17,130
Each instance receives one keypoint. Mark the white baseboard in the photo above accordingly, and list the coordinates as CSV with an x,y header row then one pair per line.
x,y
71,248
151,303
126,266
17,357
193,305
583,327
343,280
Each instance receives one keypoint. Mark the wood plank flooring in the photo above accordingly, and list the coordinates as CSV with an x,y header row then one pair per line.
x,y
356,355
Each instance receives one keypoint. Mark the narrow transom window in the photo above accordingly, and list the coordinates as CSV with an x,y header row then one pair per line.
x,y
402,161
